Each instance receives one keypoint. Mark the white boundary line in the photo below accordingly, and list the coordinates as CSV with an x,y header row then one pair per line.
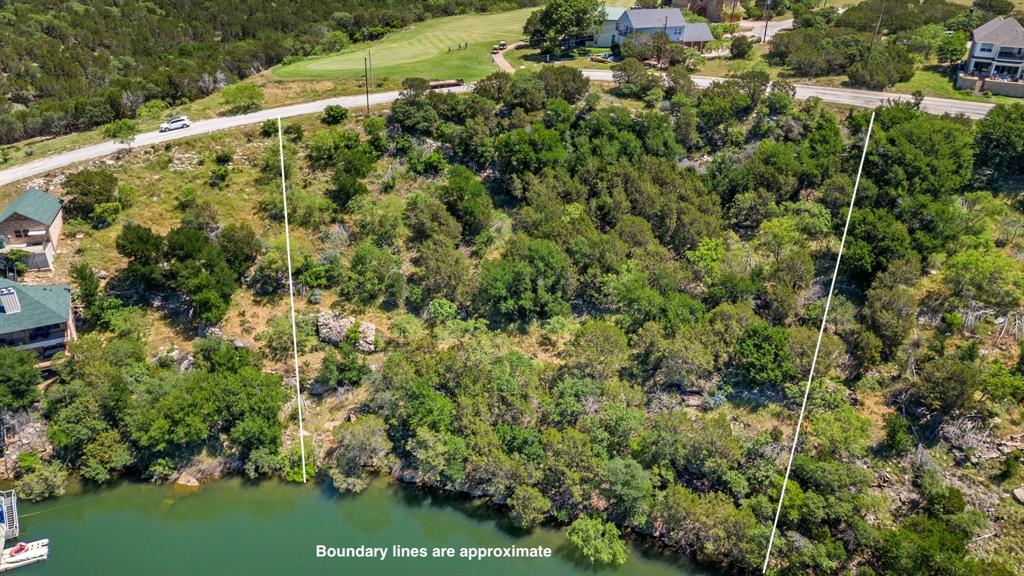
x,y
817,347
291,300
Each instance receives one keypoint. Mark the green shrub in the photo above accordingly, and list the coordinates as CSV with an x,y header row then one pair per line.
x,y
898,438
46,480
334,115
223,157
219,176
740,47
597,540
268,128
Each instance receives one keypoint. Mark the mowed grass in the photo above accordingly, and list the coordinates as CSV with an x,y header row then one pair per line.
x,y
934,80
421,50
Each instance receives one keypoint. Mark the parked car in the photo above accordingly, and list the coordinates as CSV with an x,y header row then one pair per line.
x,y
176,123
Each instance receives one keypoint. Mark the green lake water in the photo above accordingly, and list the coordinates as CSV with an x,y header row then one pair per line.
x,y
231,527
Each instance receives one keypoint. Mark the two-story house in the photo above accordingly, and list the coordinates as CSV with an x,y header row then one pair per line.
x,y
36,318
607,35
619,24
651,21
32,224
997,49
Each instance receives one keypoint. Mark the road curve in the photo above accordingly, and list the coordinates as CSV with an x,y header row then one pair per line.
x,y
847,96
43,165
850,96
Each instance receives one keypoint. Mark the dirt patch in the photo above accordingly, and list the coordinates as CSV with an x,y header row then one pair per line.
x,y
205,468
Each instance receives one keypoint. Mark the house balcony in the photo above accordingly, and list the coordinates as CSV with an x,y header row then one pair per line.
x,y
39,254
1011,55
34,248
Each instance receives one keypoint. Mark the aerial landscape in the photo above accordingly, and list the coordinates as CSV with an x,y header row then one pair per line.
x,y
553,287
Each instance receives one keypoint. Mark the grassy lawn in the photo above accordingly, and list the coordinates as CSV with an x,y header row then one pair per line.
x,y
28,150
421,50
531,58
725,65
933,80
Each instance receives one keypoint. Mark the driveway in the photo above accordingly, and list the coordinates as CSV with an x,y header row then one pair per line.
x,y
755,28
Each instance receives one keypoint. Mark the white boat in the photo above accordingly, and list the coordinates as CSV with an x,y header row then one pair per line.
x,y
23,554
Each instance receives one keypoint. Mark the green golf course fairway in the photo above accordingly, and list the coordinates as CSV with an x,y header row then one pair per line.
x,y
421,50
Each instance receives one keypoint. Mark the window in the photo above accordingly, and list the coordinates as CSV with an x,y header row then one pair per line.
x,y
985,48
21,233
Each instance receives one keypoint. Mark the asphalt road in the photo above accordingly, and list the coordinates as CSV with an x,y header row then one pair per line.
x,y
848,96
851,96
43,165
756,28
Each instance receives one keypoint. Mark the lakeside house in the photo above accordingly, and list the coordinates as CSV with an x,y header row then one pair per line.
x,y
36,318
620,24
32,224
995,62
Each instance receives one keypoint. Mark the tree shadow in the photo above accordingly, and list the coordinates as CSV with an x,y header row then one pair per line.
x,y
478,508
541,58
941,69
175,309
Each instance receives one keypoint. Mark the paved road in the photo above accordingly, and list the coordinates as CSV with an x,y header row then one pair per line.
x,y
755,28
198,127
851,97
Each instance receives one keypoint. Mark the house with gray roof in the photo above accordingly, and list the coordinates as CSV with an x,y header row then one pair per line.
x,y
605,37
650,21
36,318
31,226
997,49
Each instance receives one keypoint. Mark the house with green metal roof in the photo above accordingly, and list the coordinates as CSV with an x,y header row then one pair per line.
x,y
30,227
36,317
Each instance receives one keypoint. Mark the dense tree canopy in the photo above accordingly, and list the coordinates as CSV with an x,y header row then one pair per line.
x,y
563,20
64,67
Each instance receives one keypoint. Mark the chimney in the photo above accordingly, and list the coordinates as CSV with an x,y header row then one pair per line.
x,y
9,303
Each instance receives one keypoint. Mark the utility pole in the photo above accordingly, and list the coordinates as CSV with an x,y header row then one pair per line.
x,y
765,37
366,82
661,48
970,17
878,26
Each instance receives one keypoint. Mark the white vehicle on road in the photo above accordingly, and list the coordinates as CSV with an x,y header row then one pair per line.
x,y
175,123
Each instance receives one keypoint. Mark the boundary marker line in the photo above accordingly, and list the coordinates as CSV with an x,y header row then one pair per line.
x,y
817,347
291,299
